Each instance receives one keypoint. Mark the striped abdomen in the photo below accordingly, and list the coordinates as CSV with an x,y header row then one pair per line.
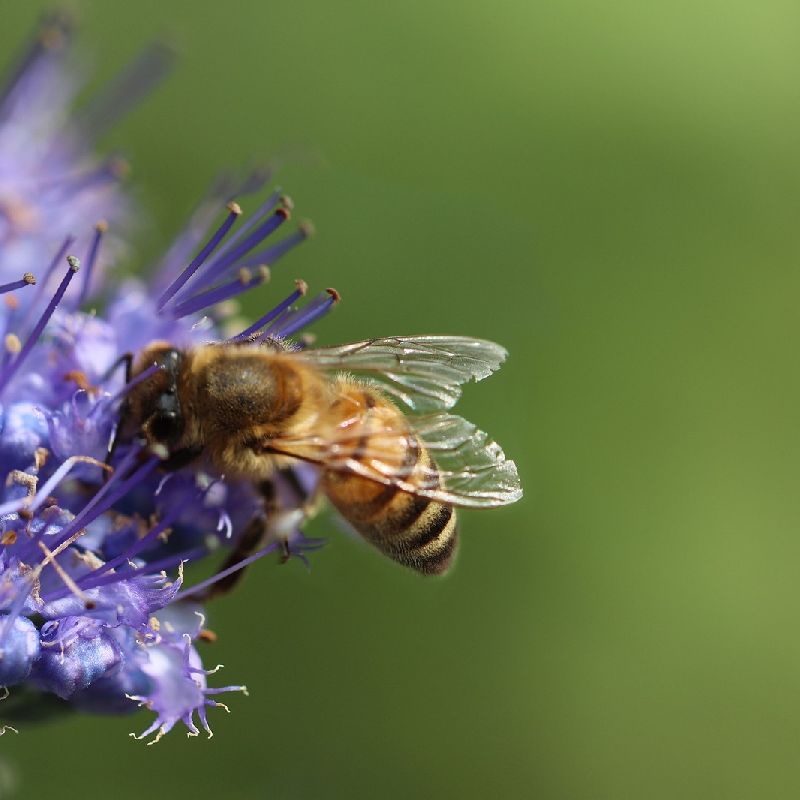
x,y
413,530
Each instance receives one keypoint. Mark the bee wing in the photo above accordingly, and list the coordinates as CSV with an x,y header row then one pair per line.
x,y
422,372
472,469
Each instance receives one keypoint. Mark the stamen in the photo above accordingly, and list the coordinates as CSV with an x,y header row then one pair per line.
x,y
128,88
225,689
310,313
114,168
244,281
193,234
115,398
270,548
151,568
259,214
12,368
58,258
100,576
99,229
270,255
302,288
59,474
141,544
41,496
110,493
68,582
162,732
223,262
26,280
209,247
32,584
48,274
53,33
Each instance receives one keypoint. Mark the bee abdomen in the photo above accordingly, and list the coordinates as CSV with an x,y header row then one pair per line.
x,y
428,544
409,528
397,518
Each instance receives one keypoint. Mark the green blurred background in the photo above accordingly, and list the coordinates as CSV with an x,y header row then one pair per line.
x,y
612,191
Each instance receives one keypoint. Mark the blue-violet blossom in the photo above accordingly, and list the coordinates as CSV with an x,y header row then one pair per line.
x,y
94,614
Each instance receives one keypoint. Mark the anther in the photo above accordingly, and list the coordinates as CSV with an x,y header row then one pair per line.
x,y
209,247
228,257
52,39
298,319
26,280
12,343
275,314
118,167
50,558
10,371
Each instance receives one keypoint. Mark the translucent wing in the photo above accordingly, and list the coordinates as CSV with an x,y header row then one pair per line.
x,y
472,469
422,372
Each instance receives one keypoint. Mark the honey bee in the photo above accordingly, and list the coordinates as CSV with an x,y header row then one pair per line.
x,y
372,416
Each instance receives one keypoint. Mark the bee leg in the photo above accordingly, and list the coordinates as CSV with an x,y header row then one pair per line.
x,y
248,543
181,458
127,360
308,500
272,525
294,484
286,553
252,539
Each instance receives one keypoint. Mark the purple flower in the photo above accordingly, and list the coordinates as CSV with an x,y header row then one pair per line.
x,y
91,548
51,184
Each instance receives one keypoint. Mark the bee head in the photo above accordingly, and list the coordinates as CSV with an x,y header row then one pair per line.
x,y
154,403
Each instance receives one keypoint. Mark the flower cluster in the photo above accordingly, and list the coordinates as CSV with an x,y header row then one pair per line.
x,y
93,607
